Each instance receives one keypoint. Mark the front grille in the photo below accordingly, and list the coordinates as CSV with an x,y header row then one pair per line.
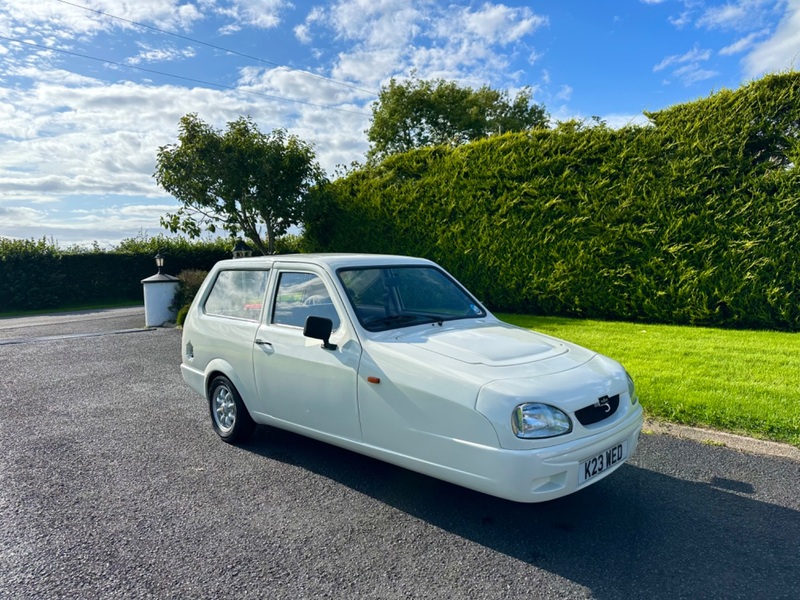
x,y
602,409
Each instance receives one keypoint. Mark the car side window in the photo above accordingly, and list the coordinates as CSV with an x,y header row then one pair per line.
x,y
237,294
300,295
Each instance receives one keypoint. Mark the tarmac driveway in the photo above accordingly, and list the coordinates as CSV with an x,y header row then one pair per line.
x,y
113,485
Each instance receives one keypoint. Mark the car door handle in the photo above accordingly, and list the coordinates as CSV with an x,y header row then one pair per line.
x,y
261,342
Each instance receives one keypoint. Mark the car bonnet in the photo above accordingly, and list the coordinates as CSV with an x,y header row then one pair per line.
x,y
495,344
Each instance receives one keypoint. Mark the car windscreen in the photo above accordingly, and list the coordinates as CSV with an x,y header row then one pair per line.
x,y
401,296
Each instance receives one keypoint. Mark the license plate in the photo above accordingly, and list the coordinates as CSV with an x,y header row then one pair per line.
x,y
602,462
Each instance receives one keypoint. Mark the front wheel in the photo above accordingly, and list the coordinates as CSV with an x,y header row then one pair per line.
x,y
229,415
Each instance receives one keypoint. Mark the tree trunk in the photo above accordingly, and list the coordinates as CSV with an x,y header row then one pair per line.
x,y
258,243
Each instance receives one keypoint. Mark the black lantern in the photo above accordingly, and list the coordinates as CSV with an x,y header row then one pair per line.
x,y
159,262
241,250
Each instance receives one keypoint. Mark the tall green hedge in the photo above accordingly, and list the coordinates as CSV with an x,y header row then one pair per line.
x,y
691,219
39,275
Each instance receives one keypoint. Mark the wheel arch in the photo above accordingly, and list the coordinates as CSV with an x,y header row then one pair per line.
x,y
221,367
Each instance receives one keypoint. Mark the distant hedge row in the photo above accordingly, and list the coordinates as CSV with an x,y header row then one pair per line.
x,y
37,275
692,219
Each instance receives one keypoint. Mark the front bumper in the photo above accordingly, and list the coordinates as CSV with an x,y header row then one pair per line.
x,y
552,472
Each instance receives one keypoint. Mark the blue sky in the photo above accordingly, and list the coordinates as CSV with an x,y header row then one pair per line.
x,y
89,89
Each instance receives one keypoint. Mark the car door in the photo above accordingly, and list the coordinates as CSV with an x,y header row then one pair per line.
x,y
222,330
299,382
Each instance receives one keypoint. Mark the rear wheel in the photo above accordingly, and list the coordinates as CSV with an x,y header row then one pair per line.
x,y
229,415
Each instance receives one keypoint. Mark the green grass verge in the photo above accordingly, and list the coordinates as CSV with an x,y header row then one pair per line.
x,y
744,382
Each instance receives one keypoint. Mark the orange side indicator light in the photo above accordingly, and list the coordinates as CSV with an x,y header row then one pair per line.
x,y
372,379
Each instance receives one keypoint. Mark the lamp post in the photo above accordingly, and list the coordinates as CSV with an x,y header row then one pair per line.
x,y
159,262
241,250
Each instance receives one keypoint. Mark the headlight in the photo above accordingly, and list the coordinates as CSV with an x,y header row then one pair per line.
x,y
533,420
632,389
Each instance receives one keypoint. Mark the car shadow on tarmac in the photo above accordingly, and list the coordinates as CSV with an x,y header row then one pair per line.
x,y
636,534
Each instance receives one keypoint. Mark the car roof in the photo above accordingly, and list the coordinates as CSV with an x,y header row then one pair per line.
x,y
332,261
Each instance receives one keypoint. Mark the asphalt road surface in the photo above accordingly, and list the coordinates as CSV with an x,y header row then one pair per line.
x,y
113,485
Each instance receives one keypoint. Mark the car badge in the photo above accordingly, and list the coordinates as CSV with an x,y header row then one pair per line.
x,y
603,403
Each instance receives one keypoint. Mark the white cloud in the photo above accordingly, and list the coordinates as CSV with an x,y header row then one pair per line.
x,y
166,14
303,33
469,63
66,21
681,20
499,24
375,23
149,54
693,56
80,147
119,216
782,50
692,73
743,44
59,21
392,37
474,42
369,67
15,216
546,76
739,15
724,17
264,14
303,86
734,15
105,225
88,139
688,67
617,121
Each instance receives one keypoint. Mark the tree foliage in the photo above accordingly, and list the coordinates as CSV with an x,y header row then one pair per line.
x,y
239,179
694,218
419,113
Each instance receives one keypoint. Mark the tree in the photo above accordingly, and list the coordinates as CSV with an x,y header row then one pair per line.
x,y
418,113
241,179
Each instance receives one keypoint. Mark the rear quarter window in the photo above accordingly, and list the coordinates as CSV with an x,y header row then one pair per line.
x,y
237,294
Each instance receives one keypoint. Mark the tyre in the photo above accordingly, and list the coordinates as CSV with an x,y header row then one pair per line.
x,y
229,415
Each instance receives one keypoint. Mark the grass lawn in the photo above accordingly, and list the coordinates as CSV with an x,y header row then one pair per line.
x,y
745,382
64,309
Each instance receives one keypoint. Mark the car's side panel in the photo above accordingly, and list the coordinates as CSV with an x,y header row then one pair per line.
x,y
300,382
194,378
203,355
484,459
214,337
408,408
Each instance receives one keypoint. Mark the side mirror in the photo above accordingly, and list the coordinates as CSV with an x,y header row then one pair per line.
x,y
319,328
